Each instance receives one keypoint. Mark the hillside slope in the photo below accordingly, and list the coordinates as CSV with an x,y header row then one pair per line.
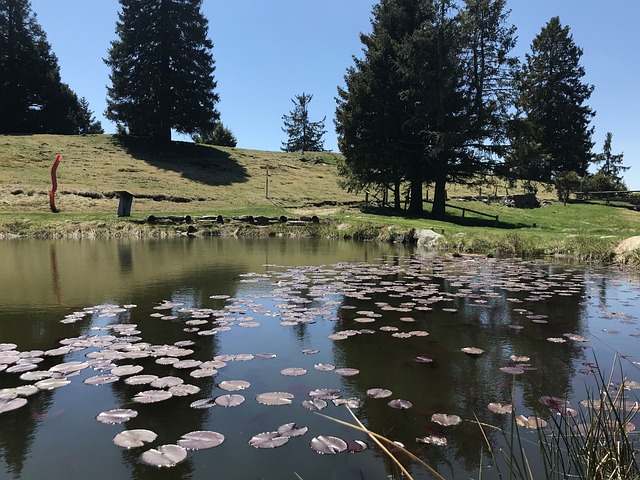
x,y
180,177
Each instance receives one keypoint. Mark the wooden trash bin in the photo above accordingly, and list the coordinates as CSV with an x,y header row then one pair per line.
x,y
124,206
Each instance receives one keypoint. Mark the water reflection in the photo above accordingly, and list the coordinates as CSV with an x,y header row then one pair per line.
x,y
292,298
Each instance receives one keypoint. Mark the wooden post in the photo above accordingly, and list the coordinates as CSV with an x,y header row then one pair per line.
x,y
266,176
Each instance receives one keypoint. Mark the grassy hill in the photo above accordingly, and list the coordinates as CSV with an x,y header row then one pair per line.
x,y
182,177
188,179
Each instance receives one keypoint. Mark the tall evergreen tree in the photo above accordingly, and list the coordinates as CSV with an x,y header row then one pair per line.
x,y
33,99
554,118
432,90
303,135
370,113
161,69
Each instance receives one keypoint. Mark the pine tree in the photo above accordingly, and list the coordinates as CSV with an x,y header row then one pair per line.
x,y
551,101
161,69
33,99
218,135
612,168
430,95
303,134
371,114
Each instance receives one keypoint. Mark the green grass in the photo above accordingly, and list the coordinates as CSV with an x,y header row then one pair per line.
x,y
187,179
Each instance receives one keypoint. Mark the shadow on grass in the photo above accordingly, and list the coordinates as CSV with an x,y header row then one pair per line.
x,y
467,221
199,163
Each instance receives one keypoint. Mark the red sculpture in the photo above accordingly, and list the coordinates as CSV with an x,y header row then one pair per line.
x,y
54,183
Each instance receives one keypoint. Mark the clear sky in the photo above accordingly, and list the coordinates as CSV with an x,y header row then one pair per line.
x,y
267,52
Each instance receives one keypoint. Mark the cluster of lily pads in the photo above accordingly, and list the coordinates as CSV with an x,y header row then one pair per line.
x,y
114,348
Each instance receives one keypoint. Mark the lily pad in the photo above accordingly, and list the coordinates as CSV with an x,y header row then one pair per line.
x,y
512,370
229,400
433,440
275,398
234,385
200,440
167,382
291,430
140,379
268,440
325,393
293,372
379,393
134,438
500,408
8,405
400,404
101,379
324,367
347,372
164,456
445,420
51,383
472,350
530,422
327,445
315,404
203,403
184,390
116,416
152,396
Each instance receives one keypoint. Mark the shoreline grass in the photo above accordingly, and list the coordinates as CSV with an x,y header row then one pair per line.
x,y
185,179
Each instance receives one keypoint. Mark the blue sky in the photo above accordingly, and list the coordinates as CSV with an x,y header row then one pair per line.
x,y
267,52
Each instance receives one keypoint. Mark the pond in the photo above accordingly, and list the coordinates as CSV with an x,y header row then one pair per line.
x,y
245,336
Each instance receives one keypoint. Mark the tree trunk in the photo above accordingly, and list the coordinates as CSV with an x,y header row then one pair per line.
x,y
396,195
415,203
439,199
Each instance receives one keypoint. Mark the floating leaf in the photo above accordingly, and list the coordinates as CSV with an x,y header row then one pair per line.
x,y
183,390
291,430
166,382
8,405
500,408
184,364
433,440
530,422
379,393
327,445
234,385
347,372
134,438
512,370
116,416
423,359
472,350
152,396
164,456
201,440
101,379
51,383
324,367
314,405
356,446
293,372
400,404
268,440
556,340
275,398
325,393
203,372
69,367
204,403
229,400
517,358
445,420
140,379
